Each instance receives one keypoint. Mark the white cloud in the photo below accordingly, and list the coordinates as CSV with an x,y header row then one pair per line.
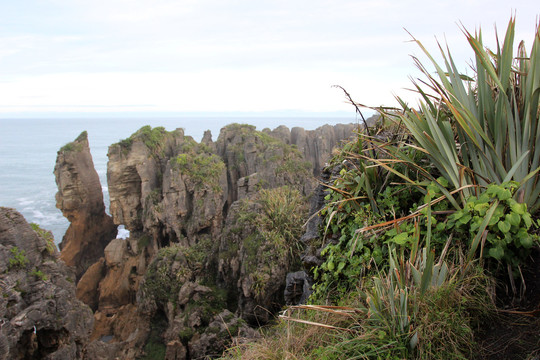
x,y
208,55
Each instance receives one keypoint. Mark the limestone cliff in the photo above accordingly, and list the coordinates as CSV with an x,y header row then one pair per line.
x,y
80,198
215,229
41,317
315,145
166,185
248,153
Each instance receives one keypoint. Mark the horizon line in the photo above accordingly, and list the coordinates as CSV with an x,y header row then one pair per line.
x,y
163,114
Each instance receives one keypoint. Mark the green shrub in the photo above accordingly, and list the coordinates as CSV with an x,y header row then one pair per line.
x,y
151,137
39,274
19,259
155,347
460,179
47,235
202,168
276,217
371,187
172,267
508,237
72,146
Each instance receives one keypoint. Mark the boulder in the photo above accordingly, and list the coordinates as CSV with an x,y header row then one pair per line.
x,y
40,314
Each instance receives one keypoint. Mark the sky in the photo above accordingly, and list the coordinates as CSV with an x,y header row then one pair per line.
x,y
219,56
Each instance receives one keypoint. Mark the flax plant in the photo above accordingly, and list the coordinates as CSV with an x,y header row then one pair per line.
x,y
487,129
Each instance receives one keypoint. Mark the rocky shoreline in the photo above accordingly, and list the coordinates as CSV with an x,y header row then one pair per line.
x,y
215,232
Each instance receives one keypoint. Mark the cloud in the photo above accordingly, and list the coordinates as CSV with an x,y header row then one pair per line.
x,y
209,55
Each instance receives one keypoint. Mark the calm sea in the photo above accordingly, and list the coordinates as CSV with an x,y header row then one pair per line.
x,y
28,150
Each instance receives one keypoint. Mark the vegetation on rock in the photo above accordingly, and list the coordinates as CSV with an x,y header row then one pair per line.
x,y
18,259
269,150
75,145
200,165
152,138
170,269
47,236
276,217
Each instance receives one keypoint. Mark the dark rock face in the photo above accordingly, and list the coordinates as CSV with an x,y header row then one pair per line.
x,y
41,316
80,198
299,284
297,288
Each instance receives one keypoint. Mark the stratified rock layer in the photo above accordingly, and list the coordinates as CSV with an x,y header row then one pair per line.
x,y
212,237
42,319
80,198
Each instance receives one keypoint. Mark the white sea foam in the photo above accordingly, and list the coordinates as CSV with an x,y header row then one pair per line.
x,y
122,232
25,201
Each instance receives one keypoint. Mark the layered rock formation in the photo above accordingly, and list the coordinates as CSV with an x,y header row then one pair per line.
x,y
214,232
315,145
80,198
259,246
41,317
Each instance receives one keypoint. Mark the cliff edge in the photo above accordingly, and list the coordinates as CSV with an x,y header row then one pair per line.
x,y
40,315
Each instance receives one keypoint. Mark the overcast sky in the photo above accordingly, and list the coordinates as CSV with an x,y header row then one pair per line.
x,y
138,56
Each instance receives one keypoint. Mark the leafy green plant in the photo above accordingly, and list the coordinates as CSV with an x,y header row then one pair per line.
x,y
19,259
47,235
202,168
163,280
426,306
380,180
276,216
507,237
151,137
487,129
39,274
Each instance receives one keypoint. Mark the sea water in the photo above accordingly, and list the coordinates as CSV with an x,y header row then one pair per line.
x,y
28,149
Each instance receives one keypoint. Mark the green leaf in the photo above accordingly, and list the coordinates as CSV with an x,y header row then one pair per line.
x,y
519,208
465,219
481,208
500,192
499,212
525,239
480,232
496,252
441,226
330,265
341,266
527,220
401,238
504,226
513,218
475,224
457,215
443,181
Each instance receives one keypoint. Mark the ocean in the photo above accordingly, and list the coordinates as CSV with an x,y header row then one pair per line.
x,y
28,149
